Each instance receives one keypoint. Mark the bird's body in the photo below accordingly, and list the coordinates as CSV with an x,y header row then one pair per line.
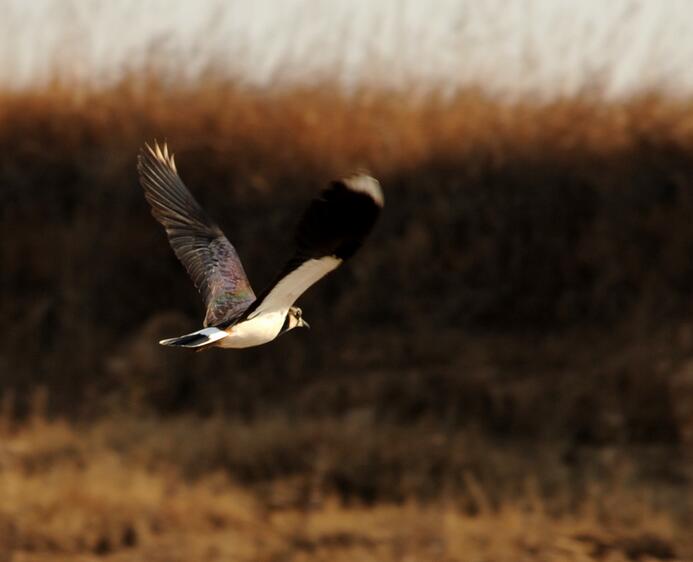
x,y
330,231
248,333
258,330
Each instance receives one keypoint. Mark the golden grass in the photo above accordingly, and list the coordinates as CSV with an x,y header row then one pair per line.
x,y
66,494
321,128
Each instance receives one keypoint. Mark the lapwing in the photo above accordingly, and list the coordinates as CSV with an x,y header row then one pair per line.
x,y
330,231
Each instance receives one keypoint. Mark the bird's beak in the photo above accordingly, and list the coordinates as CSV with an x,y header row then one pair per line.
x,y
304,324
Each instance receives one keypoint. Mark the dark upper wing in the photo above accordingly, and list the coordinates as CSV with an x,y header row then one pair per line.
x,y
330,231
209,258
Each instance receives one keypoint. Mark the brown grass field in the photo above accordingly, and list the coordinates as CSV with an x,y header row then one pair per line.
x,y
71,493
503,373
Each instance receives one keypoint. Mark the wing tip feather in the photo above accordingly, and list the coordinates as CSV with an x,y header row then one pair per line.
x,y
365,183
158,153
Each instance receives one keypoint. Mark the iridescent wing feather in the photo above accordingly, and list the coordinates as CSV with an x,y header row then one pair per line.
x,y
200,245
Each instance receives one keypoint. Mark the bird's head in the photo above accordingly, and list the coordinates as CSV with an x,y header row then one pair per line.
x,y
294,319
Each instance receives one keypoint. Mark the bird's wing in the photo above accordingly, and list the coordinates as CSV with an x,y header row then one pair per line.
x,y
200,245
330,231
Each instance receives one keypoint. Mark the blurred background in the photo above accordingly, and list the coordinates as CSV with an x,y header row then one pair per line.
x,y
504,372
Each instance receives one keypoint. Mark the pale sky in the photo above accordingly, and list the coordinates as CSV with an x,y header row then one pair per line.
x,y
513,48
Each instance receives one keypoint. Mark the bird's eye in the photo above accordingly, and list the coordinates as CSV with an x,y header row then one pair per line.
x,y
298,312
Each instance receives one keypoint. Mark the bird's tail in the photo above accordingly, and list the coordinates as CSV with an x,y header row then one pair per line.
x,y
200,339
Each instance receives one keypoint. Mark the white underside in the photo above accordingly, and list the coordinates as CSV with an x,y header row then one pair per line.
x,y
265,323
256,331
285,293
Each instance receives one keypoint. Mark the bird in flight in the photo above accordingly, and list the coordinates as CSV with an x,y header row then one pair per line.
x,y
331,230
